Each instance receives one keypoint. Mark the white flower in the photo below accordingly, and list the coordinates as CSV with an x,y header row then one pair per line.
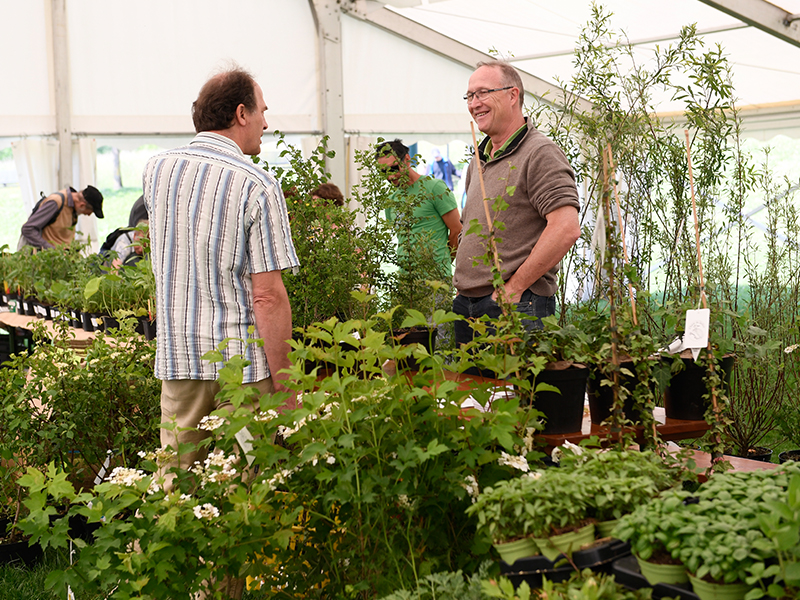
x,y
263,417
161,456
125,476
555,455
217,468
792,348
471,485
403,501
517,462
330,459
207,511
533,475
211,422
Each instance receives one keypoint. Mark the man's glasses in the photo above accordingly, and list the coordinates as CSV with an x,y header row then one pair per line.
x,y
391,169
483,94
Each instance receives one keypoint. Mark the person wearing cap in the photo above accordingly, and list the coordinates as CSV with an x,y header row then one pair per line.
x,y
443,169
52,222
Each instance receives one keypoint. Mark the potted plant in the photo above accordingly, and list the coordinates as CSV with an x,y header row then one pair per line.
x,y
550,506
626,479
725,514
780,525
651,531
557,366
788,421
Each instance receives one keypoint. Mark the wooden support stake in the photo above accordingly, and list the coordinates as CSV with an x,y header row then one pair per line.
x,y
615,407
622,233
487,211
704,300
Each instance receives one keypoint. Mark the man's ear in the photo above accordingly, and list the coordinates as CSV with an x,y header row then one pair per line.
x,y
241,115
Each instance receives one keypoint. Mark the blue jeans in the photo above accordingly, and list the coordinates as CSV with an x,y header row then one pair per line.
x,y
530,304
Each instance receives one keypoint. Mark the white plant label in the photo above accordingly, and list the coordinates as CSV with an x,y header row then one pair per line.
x,y
244,437
696,332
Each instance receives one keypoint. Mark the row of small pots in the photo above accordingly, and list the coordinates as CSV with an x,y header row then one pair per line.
x,y
683,397
78,319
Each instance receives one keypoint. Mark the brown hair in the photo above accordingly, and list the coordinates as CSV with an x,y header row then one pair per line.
x,y
216,104
329,191
509,74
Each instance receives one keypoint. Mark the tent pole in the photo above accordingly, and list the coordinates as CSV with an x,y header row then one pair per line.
x,y
62,92
327,17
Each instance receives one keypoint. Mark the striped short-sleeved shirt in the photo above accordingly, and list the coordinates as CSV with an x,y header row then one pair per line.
x,y
215,218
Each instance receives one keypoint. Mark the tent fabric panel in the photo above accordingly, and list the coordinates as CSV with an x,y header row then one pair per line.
x,y
25,71
392,76
154,56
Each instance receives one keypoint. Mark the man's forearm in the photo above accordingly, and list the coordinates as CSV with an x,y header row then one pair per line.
x,y
561,233
274,323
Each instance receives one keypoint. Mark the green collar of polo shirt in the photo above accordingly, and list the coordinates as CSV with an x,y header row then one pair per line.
x,y
486,147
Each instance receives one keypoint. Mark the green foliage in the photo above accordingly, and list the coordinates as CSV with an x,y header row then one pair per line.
x,y
624,479
339,248
717,531
62,407
365,495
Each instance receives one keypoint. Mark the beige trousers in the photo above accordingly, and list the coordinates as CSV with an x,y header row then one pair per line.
x,y
188,401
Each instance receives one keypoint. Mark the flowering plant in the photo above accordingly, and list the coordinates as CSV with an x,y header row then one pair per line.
x,y
363,492
73,409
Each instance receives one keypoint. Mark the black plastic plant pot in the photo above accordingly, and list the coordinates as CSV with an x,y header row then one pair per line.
x,y
563,411
789,455
86,322
601,397
759,453
407,337
684,396
110,322
30,307
20,553
599,558
149,329
626,572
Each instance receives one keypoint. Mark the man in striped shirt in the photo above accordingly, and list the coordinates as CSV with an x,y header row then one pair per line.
x,y
220,238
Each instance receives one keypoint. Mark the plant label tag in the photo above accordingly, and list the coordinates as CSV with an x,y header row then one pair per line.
x,y
696,335
244,437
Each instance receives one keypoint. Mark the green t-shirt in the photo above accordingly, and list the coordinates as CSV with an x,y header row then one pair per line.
x,y
428,227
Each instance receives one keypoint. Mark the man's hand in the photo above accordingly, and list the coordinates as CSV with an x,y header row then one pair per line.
x,y
562,231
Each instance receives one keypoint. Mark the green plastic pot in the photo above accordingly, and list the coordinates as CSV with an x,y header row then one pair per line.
x,y
566,543
718,591
510,552
604,529
658,573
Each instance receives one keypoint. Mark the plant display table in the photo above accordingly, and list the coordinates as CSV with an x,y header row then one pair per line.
x,y
668,430
11,321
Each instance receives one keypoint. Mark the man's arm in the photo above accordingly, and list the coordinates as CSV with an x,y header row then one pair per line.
x,y
562,231
453,221
274,323
32,229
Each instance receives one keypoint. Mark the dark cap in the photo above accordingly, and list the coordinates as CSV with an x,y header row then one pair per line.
x,y
95,199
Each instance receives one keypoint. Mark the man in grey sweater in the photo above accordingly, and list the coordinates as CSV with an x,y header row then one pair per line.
x,y
541,222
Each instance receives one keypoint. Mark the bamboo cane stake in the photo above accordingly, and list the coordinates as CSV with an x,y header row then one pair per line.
x,y
487,211
622,233
606,194
492,244
703,298
696,223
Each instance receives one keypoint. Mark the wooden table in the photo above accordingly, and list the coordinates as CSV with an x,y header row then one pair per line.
x,y
12,321
668,430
